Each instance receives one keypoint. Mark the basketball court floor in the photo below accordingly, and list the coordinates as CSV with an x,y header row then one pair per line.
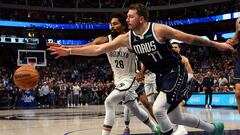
x,y
88,120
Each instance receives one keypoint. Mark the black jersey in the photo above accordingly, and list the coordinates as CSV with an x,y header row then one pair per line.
x,y
238,51
155,55
238,45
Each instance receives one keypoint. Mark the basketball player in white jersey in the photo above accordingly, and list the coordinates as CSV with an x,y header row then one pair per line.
x,y
150,42
123,64
144,100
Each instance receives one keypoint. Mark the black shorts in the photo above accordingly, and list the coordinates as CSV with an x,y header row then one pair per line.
x,y
237,72
175,85
140,89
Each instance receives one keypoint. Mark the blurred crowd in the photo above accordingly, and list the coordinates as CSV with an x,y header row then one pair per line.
x,y
221,64
94,3
78,81
81,17
68,82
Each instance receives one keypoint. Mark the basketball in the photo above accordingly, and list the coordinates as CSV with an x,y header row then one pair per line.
x,y
26,77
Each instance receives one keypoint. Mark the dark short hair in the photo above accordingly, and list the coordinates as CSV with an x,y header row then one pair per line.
x,y
121,17
141,10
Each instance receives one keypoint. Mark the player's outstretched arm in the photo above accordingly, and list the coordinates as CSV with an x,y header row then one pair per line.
x,y
53,44
98,40
236,35
235,39
164,32
91,50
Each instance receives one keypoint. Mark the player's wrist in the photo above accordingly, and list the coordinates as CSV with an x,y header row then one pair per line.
x,y
215,44
70,51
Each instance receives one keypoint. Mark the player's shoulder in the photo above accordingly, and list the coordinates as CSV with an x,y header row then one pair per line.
x,y
162,30
122,37
184,58
160,26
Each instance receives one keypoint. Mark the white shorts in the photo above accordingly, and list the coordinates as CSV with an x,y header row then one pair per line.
x,y
150,88
128,86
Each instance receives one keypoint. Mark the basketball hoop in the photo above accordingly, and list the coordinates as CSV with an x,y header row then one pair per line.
x,y
32,57
32,63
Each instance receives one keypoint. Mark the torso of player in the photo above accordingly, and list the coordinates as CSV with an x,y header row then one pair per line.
x,y
123,62
157,56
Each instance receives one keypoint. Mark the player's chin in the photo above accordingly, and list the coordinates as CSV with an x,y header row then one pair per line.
x,y
113,30
129,27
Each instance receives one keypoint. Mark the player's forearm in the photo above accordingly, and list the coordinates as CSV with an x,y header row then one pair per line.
x,y
85,51
201,42
72,46
77,46
189,69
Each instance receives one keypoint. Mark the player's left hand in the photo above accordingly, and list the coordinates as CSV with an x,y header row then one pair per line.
x,y
59,51
139,77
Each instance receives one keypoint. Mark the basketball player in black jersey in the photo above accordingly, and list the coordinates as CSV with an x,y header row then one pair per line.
x,y
119,26
176,47
235,42
150,42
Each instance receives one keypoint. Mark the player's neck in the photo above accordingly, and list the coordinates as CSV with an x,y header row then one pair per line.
x,y
141,29
122,32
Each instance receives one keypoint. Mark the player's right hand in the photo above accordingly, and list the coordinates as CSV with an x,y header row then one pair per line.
x,y
54,45
224,47
59,51
230,42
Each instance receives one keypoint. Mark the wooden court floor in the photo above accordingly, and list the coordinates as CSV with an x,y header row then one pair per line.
x,y
88,120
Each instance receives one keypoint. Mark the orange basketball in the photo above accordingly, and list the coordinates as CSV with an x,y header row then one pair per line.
x,y
26,77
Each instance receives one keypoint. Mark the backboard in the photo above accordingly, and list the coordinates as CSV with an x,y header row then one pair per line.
x,y
32,57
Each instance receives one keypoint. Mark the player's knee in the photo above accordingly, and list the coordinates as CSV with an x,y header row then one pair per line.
x,y
132,106
176,119
108,102
158,111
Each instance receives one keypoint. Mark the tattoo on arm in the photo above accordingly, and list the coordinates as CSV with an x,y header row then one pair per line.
x,y
200,41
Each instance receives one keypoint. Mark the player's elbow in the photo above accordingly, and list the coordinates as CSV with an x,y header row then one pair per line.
x,y
95,53
192,39
98,51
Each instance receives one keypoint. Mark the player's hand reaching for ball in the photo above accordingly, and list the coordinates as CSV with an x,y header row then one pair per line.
x,y
54,45
59,51
231,42
224,47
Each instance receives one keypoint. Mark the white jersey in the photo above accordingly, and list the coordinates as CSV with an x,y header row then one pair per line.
x,y
149,78
123,63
